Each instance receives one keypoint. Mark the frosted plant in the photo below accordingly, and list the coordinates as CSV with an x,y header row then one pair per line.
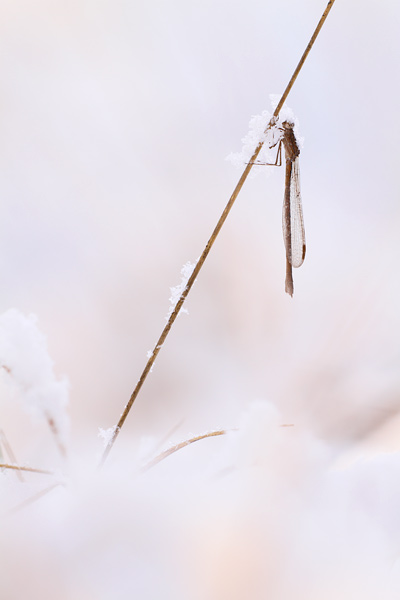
x,y
256,134
177,291
106,435
27,371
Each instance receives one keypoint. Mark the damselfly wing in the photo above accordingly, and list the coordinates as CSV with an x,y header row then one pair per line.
x,y
292,218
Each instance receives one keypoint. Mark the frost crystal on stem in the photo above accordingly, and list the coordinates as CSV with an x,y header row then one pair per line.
x,y
106,435
177,291
27,371
256,134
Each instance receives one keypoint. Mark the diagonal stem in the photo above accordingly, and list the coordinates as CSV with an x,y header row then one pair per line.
x,y
9,450
303,58
28,469
211,241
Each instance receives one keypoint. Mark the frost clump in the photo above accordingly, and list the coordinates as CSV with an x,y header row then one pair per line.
x,y
106,435
257,133
177,291
26,370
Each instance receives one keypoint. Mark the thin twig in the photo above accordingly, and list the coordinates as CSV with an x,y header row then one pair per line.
x,y
33,498
51,423
303,58
185,443
29,469
177,447
168,435
211,241
11,455
56,434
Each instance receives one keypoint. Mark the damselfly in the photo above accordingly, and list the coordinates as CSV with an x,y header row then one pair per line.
x,y
292,217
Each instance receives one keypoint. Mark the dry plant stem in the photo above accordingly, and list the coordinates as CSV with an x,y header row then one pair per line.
x,y
178,306
11,455
303,58
161,443
51,424
177,447
211,241
29,469
56,434
197,438
33,498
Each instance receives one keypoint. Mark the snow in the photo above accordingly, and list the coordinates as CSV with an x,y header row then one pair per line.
x,y
28,371
268,499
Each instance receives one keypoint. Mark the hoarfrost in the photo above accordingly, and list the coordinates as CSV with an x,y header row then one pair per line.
x,y
27,370
106,435
149,354
177,291
257,133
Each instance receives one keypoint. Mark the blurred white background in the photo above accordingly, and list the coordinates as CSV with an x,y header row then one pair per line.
x,y
115,122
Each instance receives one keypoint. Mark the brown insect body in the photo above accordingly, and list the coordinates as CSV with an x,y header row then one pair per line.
x,y
292,152
292,218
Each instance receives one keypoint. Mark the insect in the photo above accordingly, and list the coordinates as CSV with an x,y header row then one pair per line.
x,y
292,217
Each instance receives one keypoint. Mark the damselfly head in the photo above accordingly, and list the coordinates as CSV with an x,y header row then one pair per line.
x,y
287,124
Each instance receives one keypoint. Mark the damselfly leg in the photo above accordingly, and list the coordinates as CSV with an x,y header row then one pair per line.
x,y
278,160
